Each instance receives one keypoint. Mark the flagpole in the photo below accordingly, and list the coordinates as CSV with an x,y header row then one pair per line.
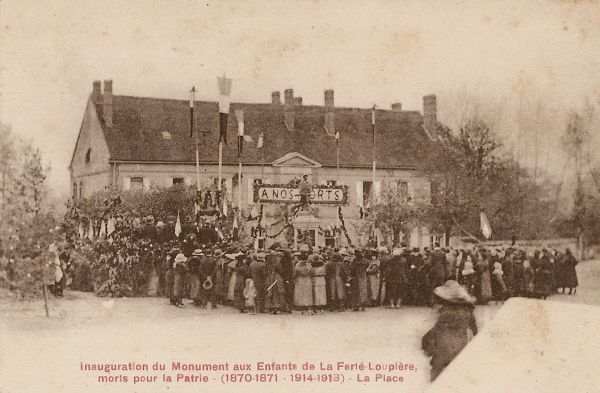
x,y
337,158
374,151
220,164
197,140
262,158
240,186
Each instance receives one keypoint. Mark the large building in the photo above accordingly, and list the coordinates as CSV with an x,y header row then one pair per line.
x,y
128,142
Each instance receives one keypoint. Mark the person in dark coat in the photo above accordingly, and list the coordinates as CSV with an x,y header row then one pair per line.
x,y
570,273
396,277
207,270
508,270
455,327
274,292
179,268
518,279
287,274
437,274
359,282
220,283
195,278
543,276
415,262
258,275
242,272
335,283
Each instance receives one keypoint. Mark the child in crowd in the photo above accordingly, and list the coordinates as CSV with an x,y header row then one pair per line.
x,y
250,296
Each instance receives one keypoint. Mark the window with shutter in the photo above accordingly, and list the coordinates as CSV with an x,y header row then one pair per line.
x,y
136,183
367,191
403,190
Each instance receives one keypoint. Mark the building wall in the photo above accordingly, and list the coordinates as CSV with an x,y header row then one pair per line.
x,y
94,174
162,175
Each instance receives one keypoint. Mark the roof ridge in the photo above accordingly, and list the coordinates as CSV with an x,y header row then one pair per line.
x,y
282,106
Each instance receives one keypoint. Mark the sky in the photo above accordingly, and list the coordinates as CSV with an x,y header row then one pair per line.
x,y
522,64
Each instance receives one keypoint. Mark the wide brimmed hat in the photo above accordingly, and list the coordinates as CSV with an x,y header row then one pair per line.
x,y
453,292
197,253
397,251
180,258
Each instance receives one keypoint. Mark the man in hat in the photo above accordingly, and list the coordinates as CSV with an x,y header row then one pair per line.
x,y
455,326
220,285
258,275
335,283
195,281
287,275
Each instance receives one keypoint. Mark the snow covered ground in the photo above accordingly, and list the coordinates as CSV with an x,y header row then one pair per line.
x,y
39,354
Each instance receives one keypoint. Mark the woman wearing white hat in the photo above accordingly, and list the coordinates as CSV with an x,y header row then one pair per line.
x,y
179,279
454,328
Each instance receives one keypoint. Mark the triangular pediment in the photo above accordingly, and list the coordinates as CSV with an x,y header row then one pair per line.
x,y
296,160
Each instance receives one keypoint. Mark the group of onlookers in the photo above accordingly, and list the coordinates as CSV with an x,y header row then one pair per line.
x,y
309,279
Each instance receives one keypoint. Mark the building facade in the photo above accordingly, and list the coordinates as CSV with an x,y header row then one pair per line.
x,y
128,143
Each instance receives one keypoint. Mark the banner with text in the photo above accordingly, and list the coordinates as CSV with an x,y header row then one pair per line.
x,y
283,193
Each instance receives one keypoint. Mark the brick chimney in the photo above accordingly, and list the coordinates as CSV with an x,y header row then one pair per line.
x,y
397,107
97,92
276,98
288,96
329,111
289,115
298,101
430,111
107,99
328,98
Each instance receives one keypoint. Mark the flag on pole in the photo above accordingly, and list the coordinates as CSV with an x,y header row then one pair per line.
x,y
486,228
102,229
224,92
373,123
261,140
235,228
337,137
239,115
178,226
91,231
110,226
192,100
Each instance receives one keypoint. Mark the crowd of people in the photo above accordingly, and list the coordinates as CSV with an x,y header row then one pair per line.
x,y
310,280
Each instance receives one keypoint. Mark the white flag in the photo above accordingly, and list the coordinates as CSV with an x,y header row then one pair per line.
x,y
110,227
261,141
178,226
102,229
91,231
486,228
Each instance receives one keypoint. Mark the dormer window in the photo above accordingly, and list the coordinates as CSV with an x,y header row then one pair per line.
x,y
88,155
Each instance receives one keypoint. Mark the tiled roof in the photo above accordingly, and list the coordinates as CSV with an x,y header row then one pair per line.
x,y
140,126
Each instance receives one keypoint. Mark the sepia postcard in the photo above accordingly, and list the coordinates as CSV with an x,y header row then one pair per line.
x,y
299,196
